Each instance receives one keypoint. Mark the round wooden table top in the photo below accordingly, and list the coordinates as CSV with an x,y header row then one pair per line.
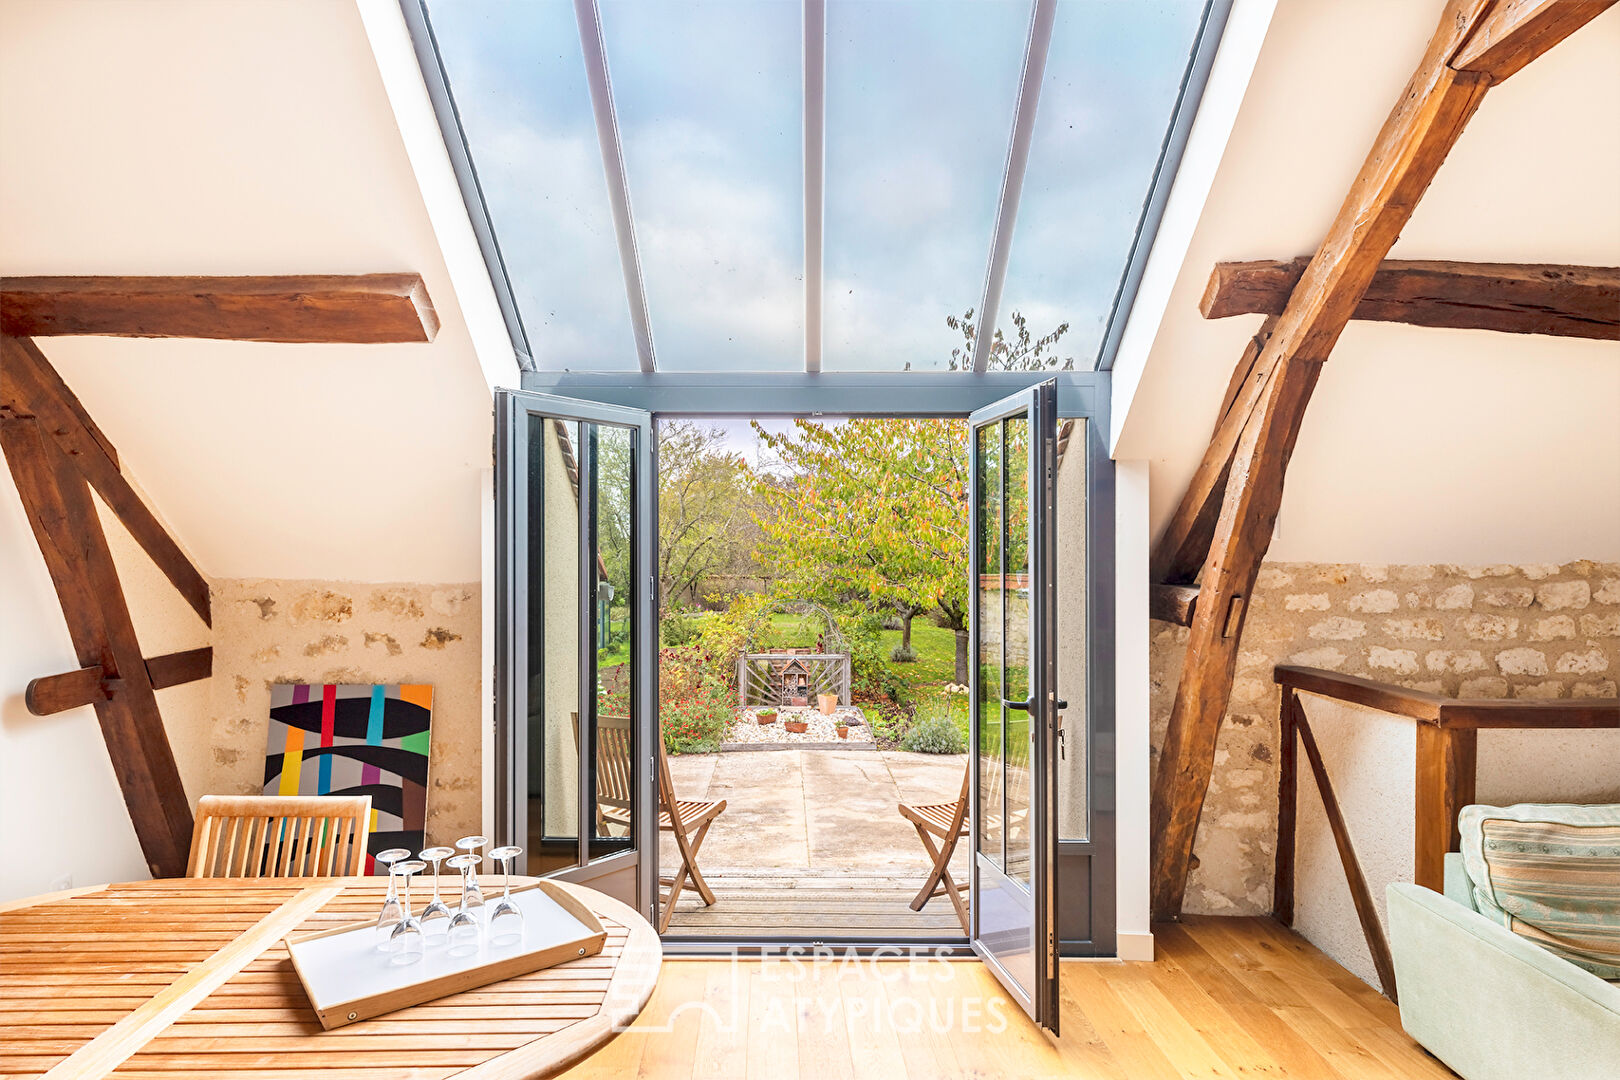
x,y
191,976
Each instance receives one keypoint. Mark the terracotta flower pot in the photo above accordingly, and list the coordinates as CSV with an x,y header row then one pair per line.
x,y
797,727
799,702
843,731
765,717
828,703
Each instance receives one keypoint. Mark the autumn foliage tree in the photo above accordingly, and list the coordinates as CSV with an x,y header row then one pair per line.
x,y
872,511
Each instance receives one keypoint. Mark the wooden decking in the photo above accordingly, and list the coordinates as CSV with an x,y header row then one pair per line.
x,y
813,903
1227,998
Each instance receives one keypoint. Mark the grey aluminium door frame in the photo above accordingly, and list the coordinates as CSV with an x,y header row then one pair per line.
x,y
512,412
1080,395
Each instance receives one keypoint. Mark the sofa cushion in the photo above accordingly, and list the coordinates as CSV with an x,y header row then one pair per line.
x,y
1550,873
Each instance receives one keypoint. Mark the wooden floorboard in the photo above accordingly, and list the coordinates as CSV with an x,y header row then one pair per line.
x,y
1226,998
806,902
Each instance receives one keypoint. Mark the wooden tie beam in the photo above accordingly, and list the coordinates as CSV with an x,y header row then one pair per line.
x,y
1512,298
57,456
1477,43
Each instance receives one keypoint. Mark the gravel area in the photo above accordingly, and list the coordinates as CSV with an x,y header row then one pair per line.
x,y
822,729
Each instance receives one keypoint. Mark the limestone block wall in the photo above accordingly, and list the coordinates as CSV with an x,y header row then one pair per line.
x,y
1536,631
267,632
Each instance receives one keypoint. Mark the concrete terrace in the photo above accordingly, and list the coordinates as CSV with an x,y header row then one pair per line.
x,y
814,837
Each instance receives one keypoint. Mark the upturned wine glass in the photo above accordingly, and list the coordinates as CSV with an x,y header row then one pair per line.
x,y
391,914
435,918
407,936
506,923
466,924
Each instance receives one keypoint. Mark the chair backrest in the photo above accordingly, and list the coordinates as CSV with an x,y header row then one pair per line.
x,y
251,836
613,766
613,753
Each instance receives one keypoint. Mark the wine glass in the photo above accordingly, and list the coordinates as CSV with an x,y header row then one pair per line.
x,y
465,924
435,918
472,844
392,914
506,924
406,940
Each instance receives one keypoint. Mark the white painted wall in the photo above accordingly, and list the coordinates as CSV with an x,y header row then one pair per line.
x,y
197,137
1132,718
1420,445
61,810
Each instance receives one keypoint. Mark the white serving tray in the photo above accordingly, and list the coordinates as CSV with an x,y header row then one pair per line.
x,y
348,978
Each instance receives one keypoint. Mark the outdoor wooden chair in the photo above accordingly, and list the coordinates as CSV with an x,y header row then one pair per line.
x,y
251,836
939,827
687,819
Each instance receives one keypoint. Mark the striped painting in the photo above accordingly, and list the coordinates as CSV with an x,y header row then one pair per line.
x,y
351,739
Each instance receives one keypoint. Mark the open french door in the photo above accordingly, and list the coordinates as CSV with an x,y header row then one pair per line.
x,y
575,634
1013,749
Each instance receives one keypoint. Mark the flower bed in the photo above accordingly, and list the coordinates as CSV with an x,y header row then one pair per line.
x,y
819,728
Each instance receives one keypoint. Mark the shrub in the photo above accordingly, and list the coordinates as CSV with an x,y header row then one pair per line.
x,y
677,628
934,733
903,654
694,707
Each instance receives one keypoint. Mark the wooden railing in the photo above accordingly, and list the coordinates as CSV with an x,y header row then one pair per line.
x,y
1447,733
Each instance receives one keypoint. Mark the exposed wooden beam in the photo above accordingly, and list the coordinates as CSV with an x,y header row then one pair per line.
x,y
1184,544
342,309
52,694
30,386
1173,603
57,500
1514,298
1515,32
1424,124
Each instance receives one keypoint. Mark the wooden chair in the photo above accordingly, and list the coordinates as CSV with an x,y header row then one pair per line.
x,y
251,836
687,819
946,823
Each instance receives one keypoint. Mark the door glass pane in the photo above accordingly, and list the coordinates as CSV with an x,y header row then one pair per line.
x,y
988,517
553,667
1015,599
1074,822
613,621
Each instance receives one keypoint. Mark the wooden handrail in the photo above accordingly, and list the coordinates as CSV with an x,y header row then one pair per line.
x,y
1446,755
1452,712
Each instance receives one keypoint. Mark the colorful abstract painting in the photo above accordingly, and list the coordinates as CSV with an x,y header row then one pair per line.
x,y
353,739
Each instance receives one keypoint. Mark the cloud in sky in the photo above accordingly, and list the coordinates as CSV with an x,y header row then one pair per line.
x,y
920,98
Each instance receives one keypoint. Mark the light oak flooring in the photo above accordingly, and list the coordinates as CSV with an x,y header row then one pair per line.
x,y
1226,998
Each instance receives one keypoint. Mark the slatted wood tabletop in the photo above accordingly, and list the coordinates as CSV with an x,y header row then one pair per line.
x,y
191,976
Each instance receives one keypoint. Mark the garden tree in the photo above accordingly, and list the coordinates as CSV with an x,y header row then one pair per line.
x,y
706,509
875,509
1023,353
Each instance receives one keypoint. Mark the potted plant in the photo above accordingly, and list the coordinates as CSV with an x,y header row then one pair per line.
x,y
828,703
797,727
765,716
843,728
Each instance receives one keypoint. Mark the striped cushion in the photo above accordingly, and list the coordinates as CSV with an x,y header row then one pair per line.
x,y
1550,873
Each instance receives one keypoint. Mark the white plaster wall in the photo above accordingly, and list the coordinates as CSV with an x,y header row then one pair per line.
x,y
1369,757
1133,723
1548,766
61,811
561,617
1420,445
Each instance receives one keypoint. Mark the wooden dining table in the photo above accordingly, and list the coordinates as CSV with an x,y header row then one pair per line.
x,y
187,976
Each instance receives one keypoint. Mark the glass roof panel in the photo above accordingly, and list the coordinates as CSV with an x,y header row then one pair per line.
x,y
709,98
1112,75
518,76
920,101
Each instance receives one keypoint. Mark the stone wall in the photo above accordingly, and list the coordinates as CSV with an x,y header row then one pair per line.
x,y
1538,631
268,632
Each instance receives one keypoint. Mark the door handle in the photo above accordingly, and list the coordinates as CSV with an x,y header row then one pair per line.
x,y
1021,706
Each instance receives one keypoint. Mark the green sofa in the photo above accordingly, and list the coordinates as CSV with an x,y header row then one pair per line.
x,y
1489,1003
